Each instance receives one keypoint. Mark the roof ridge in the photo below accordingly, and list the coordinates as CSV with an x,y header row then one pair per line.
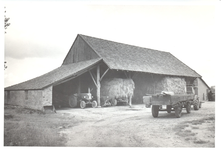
x,y
123,43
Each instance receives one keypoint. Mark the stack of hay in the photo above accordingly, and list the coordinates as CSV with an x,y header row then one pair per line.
x,y
117,88
172,84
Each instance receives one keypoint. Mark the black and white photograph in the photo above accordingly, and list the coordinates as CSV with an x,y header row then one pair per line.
x,y
111,73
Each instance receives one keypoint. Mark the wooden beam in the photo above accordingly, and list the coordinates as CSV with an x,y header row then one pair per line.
x,y
98,86
126,74
134,75
104,74
93,78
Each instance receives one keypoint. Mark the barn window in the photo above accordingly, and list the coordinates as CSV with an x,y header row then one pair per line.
x,y
26,94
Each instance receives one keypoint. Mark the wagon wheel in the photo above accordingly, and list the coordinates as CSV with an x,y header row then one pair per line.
x,y
178,110
200,105
155,110
188,107
197,103
169,108
82,104
72,101
94,104
196,106
113,102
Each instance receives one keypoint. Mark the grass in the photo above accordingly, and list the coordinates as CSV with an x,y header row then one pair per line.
x,y
30,134
199,141
201,121
24,127
195,127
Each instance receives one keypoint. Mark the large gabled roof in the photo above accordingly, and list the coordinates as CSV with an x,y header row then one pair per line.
x,y
133,58
57,75
116,56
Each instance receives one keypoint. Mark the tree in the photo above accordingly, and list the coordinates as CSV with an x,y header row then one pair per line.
x,y
5,66
6,22
6,26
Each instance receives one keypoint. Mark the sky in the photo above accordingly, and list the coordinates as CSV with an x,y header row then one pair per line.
x,y
41,33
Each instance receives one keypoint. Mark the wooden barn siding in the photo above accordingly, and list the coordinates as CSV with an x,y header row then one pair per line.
x,y
80,51
202,90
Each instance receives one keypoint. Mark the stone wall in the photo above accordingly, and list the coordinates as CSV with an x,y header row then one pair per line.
x,y
47,96
34,99
15,97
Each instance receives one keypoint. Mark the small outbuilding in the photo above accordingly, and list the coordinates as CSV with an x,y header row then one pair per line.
x,y
91,61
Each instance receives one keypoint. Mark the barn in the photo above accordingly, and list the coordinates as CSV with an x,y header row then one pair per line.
x,y
202,89
91,61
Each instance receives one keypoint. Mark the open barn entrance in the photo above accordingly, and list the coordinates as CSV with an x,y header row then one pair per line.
x,y
63,92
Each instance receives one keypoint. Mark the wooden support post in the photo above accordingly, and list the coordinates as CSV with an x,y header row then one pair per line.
x,y
79,85
93,78
98,86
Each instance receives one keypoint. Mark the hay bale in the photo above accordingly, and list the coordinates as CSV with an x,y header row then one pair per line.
x,y
172,84
117,88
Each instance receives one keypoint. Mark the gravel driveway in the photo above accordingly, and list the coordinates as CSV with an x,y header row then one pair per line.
x,y
121,126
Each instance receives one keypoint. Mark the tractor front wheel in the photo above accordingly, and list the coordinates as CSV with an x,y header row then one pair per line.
x,y
94,104
82,104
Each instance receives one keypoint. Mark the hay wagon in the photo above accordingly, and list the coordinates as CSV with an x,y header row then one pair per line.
x,y
167,101
110,101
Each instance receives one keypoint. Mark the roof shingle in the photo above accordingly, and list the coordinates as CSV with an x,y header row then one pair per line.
x,y
61,73
133,58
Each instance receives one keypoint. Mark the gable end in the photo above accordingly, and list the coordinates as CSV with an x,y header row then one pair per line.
x,y
79,51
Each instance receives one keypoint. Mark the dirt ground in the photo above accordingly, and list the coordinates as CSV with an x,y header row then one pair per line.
x,y
121,126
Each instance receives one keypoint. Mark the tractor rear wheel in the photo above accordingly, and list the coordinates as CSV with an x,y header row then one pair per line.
x,y
72,101
82,104
155,110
